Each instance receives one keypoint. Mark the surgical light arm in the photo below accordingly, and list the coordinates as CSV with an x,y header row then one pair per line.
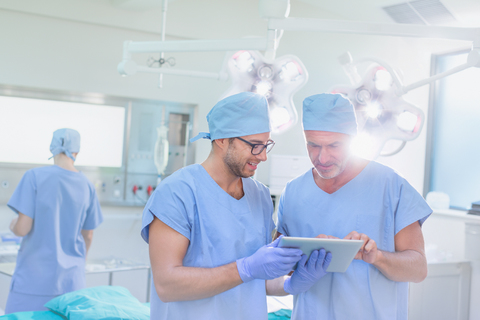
x,y
129,67
369,28
473,60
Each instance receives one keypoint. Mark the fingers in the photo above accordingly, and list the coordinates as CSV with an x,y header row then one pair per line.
x,y
288,252
370,245
290,259
354,235
312,260
316,259
303,261
285,265
287,262
274,244
321,254
320,258
326,262
350,235
324,236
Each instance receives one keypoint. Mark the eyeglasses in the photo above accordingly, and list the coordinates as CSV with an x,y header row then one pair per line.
x,y
258,148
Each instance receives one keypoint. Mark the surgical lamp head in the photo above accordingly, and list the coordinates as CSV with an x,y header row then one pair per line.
x,y
329,112
241,114
278,80
382,114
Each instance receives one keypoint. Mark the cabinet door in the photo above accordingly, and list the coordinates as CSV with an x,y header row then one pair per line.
x,y
444,294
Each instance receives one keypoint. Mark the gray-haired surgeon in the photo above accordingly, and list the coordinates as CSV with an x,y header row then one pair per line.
x,y
57,211
343,196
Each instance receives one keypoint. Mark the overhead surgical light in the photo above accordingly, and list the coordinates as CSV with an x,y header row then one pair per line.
x,y
277,80
263,87
373,110
407,121
383,80
382,114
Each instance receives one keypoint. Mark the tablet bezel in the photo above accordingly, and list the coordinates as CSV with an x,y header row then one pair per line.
x,y
343,251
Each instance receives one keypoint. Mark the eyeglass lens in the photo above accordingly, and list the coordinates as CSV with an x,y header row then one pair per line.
x,y
258,148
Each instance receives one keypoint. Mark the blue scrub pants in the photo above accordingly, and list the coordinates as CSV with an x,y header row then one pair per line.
x,y
21,302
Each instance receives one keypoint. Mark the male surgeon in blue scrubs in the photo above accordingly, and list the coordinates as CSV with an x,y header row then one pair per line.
x,y
57,211
209,226
343,196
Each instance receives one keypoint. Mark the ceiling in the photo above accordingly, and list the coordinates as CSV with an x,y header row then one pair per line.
x,y
467,12
216,19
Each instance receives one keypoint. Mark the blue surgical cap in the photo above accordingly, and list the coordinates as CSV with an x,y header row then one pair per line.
x,y
65,141
329,112
239,115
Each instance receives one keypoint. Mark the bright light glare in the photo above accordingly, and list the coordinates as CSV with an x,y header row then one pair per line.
x,y
383,80
270,78
407,121
373,110
263,87
290,71
279,117
364,146
244,61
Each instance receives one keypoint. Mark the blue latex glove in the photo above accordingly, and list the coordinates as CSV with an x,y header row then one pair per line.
x,y
269,262
308,273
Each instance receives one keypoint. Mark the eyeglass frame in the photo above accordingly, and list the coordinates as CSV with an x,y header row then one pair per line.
x,y
254,145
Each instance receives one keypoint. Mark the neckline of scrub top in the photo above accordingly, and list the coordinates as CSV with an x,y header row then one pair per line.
x,y
220,195
345,186
63,169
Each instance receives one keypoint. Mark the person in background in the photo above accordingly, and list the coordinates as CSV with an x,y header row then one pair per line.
x,y
343,196
209,226
57,211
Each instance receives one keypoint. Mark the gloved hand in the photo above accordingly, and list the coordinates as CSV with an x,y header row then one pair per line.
x,y
308,273
269,262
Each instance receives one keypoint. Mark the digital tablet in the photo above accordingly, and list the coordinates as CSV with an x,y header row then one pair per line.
x,y
343,251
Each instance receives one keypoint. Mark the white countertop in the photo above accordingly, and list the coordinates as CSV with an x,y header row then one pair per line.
x,y
457,215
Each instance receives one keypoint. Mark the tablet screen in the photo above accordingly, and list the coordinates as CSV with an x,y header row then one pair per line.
x,y
343,251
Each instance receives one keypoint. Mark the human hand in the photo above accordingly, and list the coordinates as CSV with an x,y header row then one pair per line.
x,y
308,273
269,262
324,236
369,251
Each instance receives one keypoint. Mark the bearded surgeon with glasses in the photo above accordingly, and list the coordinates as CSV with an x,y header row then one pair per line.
x,y
209,226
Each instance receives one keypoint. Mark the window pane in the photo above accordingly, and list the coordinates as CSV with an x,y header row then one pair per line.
x,y
455,167
27,126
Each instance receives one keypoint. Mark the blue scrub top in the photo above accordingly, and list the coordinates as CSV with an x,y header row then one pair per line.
x,y
51,259
221,229
377,202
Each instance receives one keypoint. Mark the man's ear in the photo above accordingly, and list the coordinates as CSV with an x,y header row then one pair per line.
x,y
222,143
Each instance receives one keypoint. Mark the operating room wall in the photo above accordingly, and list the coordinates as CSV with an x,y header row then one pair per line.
x,y
53,53
42,51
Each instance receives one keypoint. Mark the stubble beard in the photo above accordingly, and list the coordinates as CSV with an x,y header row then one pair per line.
x,y
233,165
340,170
